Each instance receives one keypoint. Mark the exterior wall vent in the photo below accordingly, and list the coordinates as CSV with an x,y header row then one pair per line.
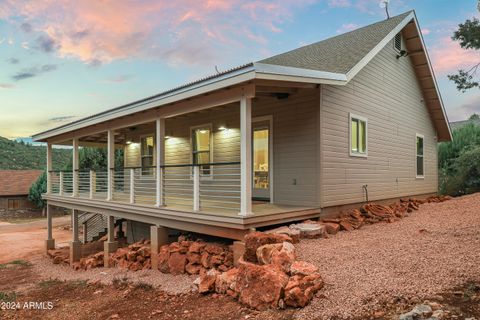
x,y
398,42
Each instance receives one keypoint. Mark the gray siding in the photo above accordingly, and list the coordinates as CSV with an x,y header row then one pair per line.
x,y
295,142
386,92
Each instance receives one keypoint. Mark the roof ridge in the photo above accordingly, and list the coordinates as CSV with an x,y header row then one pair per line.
x,y
343,34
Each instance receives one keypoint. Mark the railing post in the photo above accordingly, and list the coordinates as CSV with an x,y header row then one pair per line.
x,y
75,166
60,184
49,168
196,188
92,183
111,163
132,186
160,155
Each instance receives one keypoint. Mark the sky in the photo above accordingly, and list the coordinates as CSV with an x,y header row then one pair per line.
x,y
63,60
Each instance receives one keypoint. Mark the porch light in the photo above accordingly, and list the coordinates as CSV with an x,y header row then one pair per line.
x,y
222,128
129,142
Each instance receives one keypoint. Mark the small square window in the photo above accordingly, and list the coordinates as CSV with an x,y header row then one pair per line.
x,y
358,136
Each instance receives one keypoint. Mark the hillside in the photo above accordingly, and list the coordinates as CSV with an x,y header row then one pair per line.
x,y
18,155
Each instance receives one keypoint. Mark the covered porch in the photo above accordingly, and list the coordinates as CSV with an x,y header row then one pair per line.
x,y
220,163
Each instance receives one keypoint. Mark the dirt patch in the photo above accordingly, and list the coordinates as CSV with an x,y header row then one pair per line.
x,y
16,276
78,300
28,239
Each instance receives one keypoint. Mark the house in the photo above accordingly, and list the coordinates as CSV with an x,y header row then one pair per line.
x,y
287,138
14,189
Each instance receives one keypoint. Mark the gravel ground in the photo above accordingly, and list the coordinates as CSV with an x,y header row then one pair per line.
x,y
431,251
45,269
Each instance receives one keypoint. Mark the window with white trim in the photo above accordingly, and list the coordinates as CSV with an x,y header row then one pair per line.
x,y
419,157
358,136
201,147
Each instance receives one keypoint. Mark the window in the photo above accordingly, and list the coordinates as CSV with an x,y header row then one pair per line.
x,y
201,149
419,156
13,204
358,136
398,42
147,147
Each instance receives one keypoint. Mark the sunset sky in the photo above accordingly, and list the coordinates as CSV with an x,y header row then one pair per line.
x,y
62,60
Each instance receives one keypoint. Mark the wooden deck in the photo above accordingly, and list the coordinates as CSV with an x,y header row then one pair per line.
x,y
223,223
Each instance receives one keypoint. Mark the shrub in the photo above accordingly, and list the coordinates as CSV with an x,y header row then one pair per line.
x,y
37,189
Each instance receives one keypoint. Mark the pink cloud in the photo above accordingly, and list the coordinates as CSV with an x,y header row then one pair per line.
x,y
347,27
447,56
188,31
426,31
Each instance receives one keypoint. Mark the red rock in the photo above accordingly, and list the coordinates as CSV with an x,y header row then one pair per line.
x,y
296,298
264,253
260,287
216,260
205,260
303,268
207,281
213,248
163,258
193,257
294,234
186,243
284,257
135,266
191,268
331,227
257,239
226,281
177,262
197,247
300,289
345,225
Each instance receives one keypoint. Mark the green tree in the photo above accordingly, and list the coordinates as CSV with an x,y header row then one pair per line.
x,y
96,159
37,189
468,35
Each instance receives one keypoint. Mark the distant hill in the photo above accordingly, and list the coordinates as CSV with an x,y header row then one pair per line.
x,y
19,155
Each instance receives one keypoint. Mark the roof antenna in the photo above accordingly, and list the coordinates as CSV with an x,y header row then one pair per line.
x,y
384,4
216,70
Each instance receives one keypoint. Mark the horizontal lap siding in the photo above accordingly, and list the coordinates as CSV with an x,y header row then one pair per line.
x,y
295,146
386,92
295,142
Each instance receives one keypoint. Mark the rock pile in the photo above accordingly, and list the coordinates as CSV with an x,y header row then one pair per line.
x,y
92,261
268,275
194,257
134,257
59,256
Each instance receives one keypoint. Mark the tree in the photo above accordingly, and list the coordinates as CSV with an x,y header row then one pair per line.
x,y
37,189
468,34
96,159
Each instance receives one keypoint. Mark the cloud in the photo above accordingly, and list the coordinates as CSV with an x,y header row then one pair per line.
x,y
181,32
347,27
339,3
13,60
61,118
448,57
46,44
6,86
119,79
426,31
26,27
33,72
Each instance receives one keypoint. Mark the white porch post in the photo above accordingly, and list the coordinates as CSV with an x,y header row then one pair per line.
x,y
111,163
196,188
60,187
246,155
160,158
49,168
92,183
75,167
132,186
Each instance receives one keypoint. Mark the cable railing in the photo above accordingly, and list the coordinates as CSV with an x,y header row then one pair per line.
x,y
206,187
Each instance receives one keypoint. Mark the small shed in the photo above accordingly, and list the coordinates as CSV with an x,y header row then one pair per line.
x,y
14,188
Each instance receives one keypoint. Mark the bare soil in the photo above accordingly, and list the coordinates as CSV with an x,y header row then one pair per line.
x,y
25,240
376,272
